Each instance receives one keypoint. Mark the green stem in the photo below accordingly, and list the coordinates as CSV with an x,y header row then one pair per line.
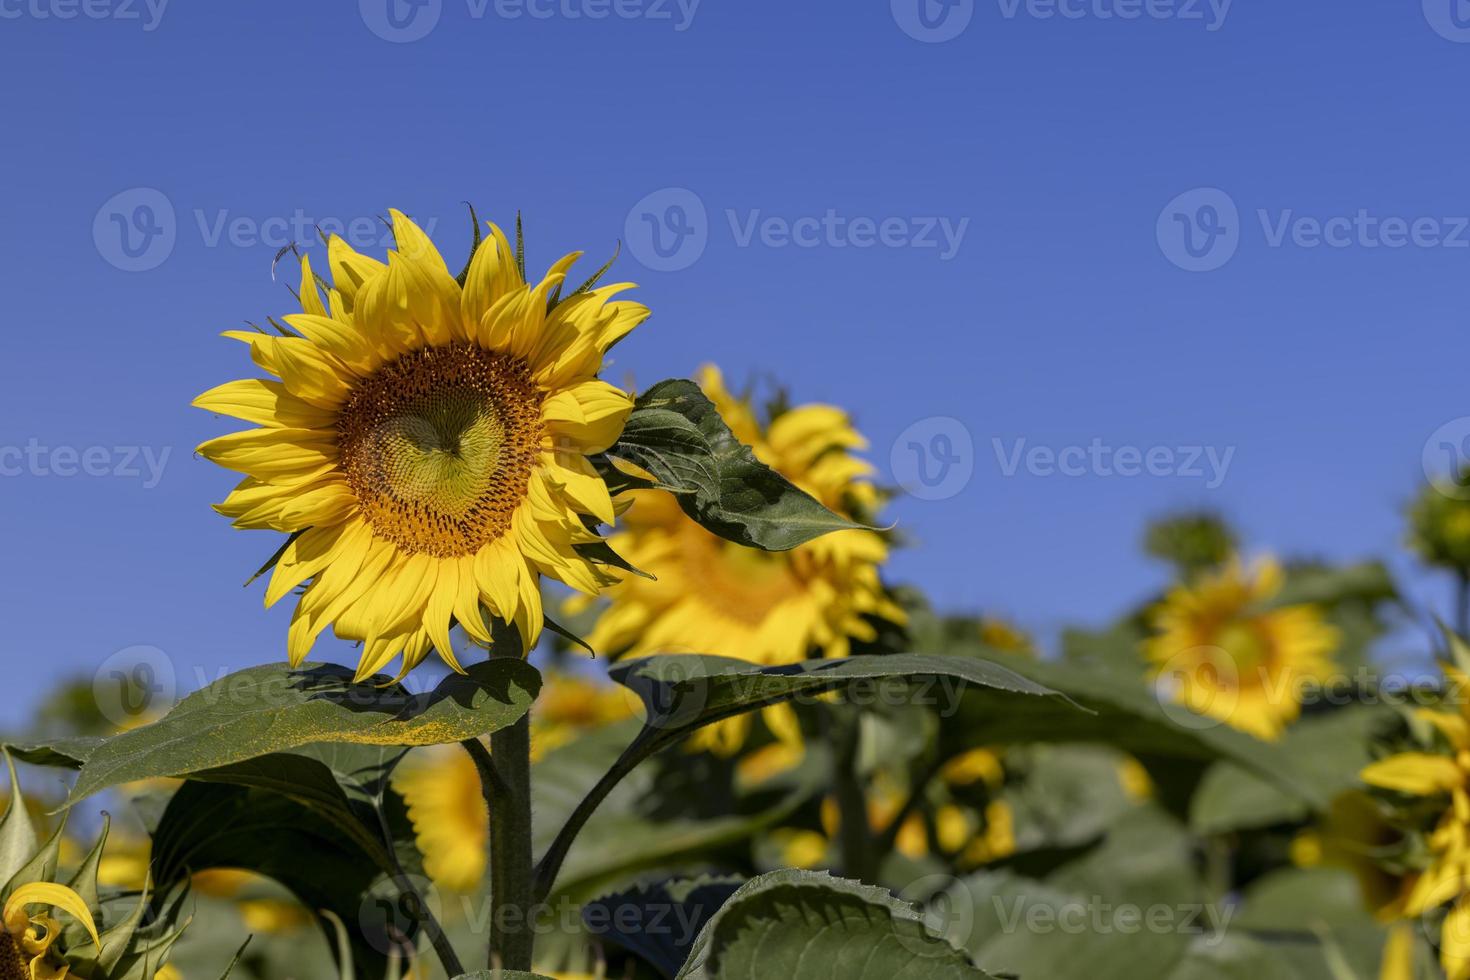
x,y
853,838
512,919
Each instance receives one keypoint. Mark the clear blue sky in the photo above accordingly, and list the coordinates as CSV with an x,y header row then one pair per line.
x,y
1050,145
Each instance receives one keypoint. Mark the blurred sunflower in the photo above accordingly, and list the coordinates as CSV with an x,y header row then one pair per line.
x,y
1439,525
971,836
1442,779
1234,659
1358,836
426,445
712,596
442,787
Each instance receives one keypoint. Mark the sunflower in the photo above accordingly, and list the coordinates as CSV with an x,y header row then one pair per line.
x,y
28,942
442,787
1234,660
1443,778
425,443
1358,835
712,596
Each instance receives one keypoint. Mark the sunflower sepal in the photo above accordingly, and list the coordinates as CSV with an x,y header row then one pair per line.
x,y
676,434
77,933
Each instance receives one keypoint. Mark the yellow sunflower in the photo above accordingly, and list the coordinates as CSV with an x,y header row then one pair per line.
x,y
1234,660
27,942
1445,779
1358,836
442,787
426,445
712,596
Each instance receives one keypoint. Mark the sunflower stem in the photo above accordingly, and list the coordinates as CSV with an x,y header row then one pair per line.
x,y
854,840
512,918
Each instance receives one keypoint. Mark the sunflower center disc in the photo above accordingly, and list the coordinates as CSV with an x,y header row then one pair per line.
x,y
439,445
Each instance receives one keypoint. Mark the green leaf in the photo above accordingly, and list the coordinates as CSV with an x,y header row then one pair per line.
x,y
272,709
692,690
676,434
215,825
1124,711
57,753
808,926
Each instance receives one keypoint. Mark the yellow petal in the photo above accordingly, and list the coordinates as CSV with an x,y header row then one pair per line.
x,y
45,893
265,403
1415,773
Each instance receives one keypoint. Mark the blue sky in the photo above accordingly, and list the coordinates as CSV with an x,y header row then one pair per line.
x,y
987,229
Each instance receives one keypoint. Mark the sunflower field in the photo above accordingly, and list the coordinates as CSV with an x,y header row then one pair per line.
x,y
635,696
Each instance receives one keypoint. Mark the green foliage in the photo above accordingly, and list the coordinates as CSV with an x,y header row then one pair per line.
x,y
767,929
270,709
676,435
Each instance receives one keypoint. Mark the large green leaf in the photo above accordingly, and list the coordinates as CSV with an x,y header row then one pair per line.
x,y
215,825
690,690
1124,711
803,925
677,435
272,709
